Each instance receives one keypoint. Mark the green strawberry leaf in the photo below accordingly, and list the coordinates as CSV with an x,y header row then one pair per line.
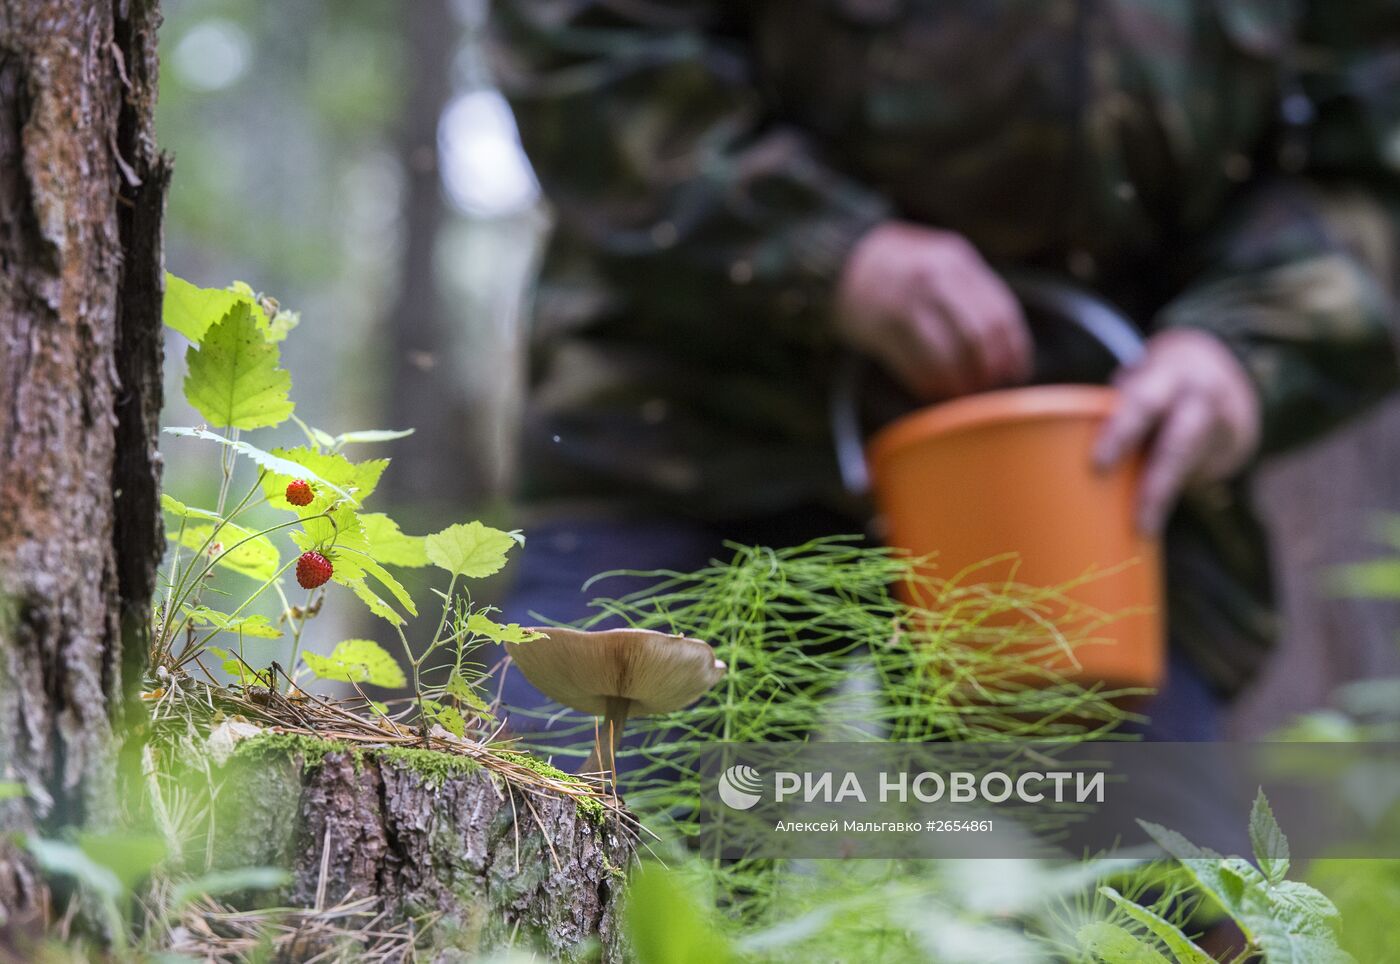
x,y
482,625
357,661
181,511
1113,945
461,690
267,460
445,716
1270,845
360,587
391,546
357,478
232,377
257,626
472,549
256,558
192,310
1181,946
369,435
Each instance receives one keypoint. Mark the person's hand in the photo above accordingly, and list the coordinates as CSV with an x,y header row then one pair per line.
x,y
1193,407
925,305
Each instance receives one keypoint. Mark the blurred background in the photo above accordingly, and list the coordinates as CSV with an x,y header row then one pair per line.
x,y
353,160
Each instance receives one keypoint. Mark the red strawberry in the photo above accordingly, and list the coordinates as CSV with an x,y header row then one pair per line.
x,y
313,569
299,492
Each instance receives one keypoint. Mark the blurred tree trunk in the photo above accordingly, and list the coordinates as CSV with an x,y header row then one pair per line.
x,y
82,196
432,480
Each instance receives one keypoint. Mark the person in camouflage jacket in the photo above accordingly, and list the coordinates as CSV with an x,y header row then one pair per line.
x,y
1222,168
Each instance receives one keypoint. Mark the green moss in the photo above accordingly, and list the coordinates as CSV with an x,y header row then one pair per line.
x,y
433,765
312,749
589,807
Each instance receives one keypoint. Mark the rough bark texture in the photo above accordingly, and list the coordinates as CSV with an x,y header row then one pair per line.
x,y
82,190
499,864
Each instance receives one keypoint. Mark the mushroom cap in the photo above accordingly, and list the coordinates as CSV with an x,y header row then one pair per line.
x,y
658,672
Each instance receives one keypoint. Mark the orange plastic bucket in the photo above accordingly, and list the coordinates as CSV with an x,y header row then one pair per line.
x,y
1009,474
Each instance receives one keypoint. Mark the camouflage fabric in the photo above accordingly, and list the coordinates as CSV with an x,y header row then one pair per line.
x,y
1227,164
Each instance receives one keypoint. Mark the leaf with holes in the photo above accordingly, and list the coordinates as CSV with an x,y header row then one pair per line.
x,y
357,661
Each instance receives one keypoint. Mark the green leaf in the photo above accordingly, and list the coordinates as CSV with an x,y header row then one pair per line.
x,y
257,626
482,625
359,479
1304,909
666,925
1181,946
1266,837
220,882
69,860
369,435
471,549
1113,945
391,546
232,376
267,460
9,790
129,856
446,717
192,310
357,661
460,689
181,511
371,599
255,558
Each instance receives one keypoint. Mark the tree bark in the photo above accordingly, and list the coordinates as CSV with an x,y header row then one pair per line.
x,y
82,193
499,864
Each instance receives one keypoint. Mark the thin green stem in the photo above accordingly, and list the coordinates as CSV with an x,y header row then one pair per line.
x,y
296,637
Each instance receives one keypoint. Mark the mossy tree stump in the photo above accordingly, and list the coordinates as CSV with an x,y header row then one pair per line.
x,y
426,833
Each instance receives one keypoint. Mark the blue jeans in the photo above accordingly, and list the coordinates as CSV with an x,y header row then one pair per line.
x,y
560,556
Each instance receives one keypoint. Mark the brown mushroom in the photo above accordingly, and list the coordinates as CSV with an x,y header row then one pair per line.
x,y
616,673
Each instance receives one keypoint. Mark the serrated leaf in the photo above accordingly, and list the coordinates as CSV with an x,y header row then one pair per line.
x,y
256,626
482,625
391,546
192,310
1171,936
1113,945
357,661
232,377
1303,908
267,460
181,511
236,549
471,549
359,479
369,435
446,717
460,689
376,605
1267,839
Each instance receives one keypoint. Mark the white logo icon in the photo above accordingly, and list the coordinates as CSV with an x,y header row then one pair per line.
x,y
741,787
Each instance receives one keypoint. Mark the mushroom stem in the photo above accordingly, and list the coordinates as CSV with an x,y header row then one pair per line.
x,y
615,710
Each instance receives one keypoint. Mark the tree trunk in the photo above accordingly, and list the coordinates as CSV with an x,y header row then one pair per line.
x,y
82,194
425,834
434,475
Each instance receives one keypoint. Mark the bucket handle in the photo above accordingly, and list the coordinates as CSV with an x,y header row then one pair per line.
x,y
1053,298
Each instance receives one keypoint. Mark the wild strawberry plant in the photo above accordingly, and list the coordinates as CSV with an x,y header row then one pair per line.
x,y
295,518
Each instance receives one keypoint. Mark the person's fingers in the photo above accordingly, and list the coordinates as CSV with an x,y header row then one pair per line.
x,y
943,352
920,357
1177,451
1015,351
1145,392
969,316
